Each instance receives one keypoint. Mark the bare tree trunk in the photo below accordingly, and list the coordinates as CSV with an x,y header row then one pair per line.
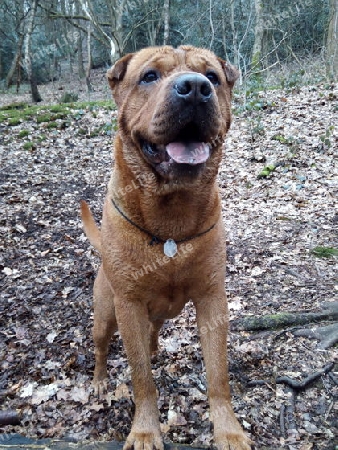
x,y
18,75
234,33
79,43
89,56
27,52
257,49
116,8
119,28
211,22
332,41
81,70
166,18
16,61
154,23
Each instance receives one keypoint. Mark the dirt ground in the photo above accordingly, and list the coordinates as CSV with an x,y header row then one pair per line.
x,y
273,223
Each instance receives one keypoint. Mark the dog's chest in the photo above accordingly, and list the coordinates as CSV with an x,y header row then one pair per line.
x,y
167,302
170,287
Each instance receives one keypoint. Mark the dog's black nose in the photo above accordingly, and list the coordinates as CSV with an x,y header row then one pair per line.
x,y
193,87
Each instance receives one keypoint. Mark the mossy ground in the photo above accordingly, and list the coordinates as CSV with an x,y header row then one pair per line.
x,y
15,113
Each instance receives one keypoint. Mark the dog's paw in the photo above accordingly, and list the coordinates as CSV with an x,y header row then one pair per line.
x,y
147,440
232,441
100,387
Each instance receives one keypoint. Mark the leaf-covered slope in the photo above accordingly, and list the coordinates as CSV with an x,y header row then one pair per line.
x,y
273,223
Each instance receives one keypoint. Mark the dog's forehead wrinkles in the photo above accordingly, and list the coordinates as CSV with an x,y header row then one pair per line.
x,y
200,61
164,63
167,60
181,56
162,59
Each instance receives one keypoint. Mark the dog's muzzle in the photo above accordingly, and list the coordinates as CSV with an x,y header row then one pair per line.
x,y
190,128
193,88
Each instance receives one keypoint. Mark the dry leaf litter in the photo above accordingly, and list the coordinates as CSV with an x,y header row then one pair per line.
x,y
273,222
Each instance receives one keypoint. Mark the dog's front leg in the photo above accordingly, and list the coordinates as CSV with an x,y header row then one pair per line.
x,y
212,320
134,327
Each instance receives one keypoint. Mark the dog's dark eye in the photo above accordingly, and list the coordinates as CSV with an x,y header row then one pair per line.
x,y
149,77
213,78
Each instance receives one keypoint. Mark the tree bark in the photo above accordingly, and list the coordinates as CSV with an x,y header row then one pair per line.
x,y
212,28
153,23
27,52
166,18
234,33
81,70
332,41
89,57
257,50
328,335
79,43
16,62
115,8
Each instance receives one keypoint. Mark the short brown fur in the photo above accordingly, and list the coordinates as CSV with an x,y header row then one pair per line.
x,y
170,203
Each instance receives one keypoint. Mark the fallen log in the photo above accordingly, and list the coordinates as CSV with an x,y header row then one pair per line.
x,y
282,320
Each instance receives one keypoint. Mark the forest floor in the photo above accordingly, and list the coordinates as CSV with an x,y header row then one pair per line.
x,y
277,181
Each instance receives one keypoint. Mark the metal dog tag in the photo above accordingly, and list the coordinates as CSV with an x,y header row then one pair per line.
x,y
170,248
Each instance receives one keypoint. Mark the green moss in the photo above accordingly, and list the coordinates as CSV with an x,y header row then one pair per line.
x,y
18,112
267,171
23,133
52,125
44,118
255,60
59,109
282,139
324,252
28,145
48,117
69,97
108,105
114,123
14,121
95,132
15,105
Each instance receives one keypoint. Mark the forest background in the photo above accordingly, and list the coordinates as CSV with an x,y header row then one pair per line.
x,y
44,40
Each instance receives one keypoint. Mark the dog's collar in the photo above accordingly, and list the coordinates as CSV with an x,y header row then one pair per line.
x,y
170,246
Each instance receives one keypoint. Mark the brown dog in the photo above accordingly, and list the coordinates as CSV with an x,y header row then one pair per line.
x,y
162,240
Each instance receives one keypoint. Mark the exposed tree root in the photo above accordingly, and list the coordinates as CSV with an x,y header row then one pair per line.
x,y
300,385
328,335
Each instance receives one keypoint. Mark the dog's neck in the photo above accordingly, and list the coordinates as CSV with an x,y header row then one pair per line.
x,y
179,212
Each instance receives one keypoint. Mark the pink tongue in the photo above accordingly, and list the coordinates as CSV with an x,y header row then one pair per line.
x,y
190,153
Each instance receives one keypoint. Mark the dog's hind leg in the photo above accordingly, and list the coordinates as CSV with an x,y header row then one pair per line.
x,y
105,326
155,328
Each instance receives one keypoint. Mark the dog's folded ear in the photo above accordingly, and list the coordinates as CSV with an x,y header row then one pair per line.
x,y
117,72
230,71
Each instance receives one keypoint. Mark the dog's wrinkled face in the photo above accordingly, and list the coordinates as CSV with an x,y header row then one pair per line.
x,y
174,106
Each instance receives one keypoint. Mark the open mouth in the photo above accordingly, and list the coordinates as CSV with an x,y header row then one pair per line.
x,y
187,148
179,152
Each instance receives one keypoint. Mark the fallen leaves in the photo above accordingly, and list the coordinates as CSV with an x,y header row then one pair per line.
x,y
273,224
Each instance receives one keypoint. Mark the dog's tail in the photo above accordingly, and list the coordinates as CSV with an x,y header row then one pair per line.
x,y
92,231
